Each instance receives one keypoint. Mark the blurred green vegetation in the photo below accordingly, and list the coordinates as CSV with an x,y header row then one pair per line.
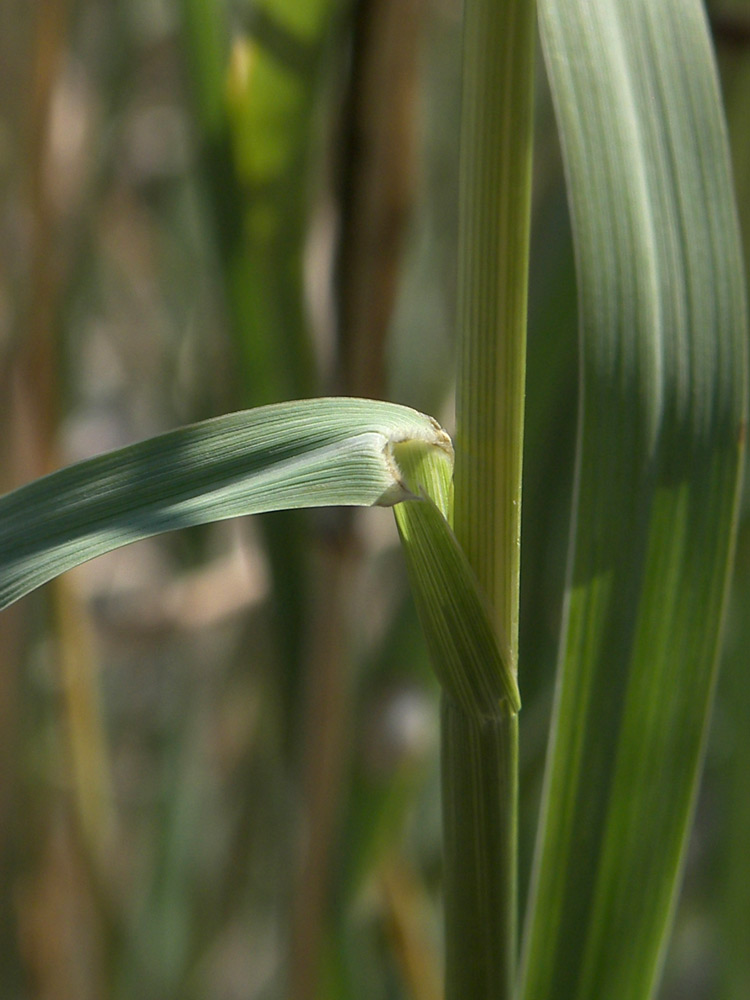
x,y
219,750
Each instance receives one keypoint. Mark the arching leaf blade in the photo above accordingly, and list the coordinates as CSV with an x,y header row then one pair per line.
x,y
306,453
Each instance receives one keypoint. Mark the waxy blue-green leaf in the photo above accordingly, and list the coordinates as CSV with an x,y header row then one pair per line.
x,y
308,453
662,315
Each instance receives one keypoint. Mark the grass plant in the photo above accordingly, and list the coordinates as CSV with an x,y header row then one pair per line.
x,y
662,386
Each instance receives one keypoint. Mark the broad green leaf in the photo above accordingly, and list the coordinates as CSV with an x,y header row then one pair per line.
x,y
662,315
730,776
308,453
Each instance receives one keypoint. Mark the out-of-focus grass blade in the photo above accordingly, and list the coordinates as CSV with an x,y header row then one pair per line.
x,y
307,453
255,77
662,314
259,177
733,705
253,95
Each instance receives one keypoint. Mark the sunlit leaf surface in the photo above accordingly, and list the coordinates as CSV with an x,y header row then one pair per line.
x,y
662,318
309,453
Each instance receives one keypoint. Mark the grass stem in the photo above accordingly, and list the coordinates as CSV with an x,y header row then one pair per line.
x,y
480,758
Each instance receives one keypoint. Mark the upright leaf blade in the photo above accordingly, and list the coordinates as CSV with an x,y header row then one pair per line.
x,y
662,315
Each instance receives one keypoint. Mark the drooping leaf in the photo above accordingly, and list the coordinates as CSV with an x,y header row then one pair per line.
x,y
308,453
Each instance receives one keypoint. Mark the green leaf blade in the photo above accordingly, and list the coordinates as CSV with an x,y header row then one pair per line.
x,y
321,452
473,666
662,312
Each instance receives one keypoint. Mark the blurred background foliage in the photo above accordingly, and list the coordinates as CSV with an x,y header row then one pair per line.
x,y
218,749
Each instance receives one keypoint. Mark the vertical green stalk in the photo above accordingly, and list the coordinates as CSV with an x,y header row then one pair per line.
x,y
479,761
480,774
494,206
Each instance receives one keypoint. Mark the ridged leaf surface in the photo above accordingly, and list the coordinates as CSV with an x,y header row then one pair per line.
x,y
662,317
307,453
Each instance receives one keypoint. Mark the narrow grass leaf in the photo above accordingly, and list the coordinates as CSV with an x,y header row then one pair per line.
x,y
308,453
472,665
662,315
